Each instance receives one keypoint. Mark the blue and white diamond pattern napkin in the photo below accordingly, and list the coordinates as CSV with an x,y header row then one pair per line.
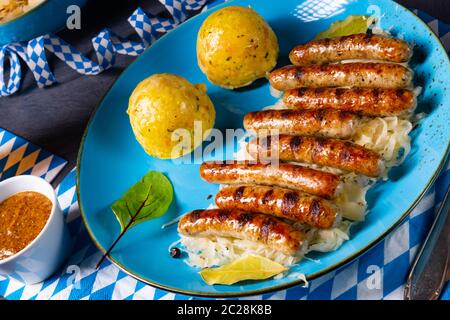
x,y
18,157
106,46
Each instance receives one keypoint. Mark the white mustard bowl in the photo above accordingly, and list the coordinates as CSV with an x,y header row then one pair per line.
x,y
45,254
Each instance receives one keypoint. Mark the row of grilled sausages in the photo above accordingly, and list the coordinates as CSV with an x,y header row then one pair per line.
x,y
326,101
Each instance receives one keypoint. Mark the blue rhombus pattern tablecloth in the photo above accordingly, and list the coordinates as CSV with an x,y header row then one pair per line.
x,y
79,279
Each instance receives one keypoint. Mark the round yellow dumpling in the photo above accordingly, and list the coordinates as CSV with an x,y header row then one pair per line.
x,y
235,46
164,109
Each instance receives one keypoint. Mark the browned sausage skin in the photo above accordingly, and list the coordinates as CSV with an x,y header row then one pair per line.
x,y
239,224
285,175
322,151
364,101
356,46
367,75
323,122
284,203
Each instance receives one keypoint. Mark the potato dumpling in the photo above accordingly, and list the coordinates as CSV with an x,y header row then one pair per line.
x,y
163,110
235,46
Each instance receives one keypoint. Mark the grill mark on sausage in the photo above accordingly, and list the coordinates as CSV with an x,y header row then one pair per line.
x,y
358,91
315,207
301,91
244,219
239,192
319,91
338,93
298,73
399,93
345,155
295,143
266,228
290,200
223,216
285,114
267,196
376,95
320,115
195,215
343,115
318,147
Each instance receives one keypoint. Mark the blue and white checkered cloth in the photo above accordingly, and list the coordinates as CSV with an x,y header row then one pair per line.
x,y
106,45
380,273
18,157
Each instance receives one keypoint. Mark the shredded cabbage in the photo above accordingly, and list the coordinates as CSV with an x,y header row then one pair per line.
x,y
325,240
351,196
216,251
275,93
300,276
389,136
213,251
279,105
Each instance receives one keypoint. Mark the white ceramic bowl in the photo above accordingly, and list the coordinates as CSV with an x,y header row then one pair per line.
x,y
42,256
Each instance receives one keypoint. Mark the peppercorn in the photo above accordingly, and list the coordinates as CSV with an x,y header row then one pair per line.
x,y
175,253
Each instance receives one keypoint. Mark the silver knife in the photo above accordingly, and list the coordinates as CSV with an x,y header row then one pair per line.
x,y
430,270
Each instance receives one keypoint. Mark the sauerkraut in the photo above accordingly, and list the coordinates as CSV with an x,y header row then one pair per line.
x,y
388,136
204,252
216,251
351,196
326,240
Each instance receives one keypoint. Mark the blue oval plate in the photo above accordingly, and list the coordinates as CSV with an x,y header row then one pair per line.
x,y
49,16
111,160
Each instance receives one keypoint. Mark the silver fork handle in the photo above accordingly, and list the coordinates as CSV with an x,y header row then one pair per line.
x,y
428,272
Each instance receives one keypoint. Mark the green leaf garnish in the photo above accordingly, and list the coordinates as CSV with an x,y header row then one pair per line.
x,y
351,25
147,199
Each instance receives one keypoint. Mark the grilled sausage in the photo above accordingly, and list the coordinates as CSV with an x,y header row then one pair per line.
x,y
367,75
284,203
322,151
262,228
356,46
285,175
364,101
325,123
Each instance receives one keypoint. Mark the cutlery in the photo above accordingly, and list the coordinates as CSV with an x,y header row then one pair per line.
x,y
430,270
